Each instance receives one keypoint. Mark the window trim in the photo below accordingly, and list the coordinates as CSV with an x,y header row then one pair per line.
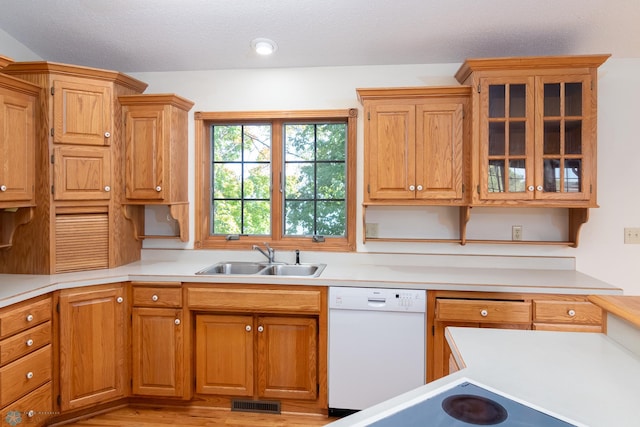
x,y
203,122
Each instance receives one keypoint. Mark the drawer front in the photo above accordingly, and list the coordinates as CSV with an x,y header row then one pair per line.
x,y
566,327
24,316
483,311
34,409
267,300
25,375
25,342
157,297
579,312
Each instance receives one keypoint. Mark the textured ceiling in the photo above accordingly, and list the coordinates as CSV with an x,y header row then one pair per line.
x,y
174,35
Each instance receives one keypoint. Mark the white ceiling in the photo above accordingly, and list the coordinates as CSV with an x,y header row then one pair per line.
x,y
175,35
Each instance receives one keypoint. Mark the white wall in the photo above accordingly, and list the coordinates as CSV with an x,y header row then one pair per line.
x,y
601,252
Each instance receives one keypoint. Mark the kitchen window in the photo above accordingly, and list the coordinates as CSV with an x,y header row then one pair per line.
x,y
284,178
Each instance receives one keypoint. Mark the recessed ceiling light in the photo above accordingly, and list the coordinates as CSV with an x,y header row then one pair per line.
x,y
264,46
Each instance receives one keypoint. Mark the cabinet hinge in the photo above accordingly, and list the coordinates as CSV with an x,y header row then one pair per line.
x,y
53,90
53,159
58,308
478,189
51,132
478,87
318,388
462,188
433,330
368,189
369,115
59,400
591,188
52,192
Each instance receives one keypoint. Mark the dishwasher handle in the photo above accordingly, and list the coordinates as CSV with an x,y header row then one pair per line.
x,y
376,302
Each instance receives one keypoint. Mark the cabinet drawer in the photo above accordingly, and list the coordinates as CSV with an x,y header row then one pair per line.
x,y
581,312
157,297
483,311
261,300
24,375
25,342
566,327
23,316
34,409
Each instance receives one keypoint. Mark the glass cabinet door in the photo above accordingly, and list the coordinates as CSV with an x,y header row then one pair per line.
x,y
562,147
506,138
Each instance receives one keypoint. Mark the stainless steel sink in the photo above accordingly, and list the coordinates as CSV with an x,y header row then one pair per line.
x,y
253,268
238,267
306,270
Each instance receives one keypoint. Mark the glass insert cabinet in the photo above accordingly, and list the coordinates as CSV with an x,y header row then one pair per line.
x,y
535,141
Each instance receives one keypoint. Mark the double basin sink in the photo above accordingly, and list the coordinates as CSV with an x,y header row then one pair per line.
x,y
263,269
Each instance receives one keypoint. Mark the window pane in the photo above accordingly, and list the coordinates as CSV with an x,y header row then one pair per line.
x,y
497,139
331,141
227,143
552,99
551,137
331,181
573,137
331,219
551,175
497,101
299,142
517,176
226,217
573,99
299,218
518,100
257,143
257,181
227,180
517,140
572,176
300,181
495,183
257,217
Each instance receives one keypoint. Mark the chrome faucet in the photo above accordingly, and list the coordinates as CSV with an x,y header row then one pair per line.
x,y
270,252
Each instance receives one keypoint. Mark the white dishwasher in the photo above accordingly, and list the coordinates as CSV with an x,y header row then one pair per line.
x,y
376,345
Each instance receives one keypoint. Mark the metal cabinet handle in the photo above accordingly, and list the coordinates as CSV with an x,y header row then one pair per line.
x,y
29,375
177,321
260,328
29,317
29,342
247,328
107,134
571,313
119,300
3,188
154,298
484,313
158,189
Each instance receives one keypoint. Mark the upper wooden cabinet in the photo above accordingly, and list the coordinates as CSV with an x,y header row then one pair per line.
x,y
414,144
534,136
82,112
156,148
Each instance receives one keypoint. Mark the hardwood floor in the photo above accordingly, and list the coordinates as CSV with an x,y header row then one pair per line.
x,y
162,417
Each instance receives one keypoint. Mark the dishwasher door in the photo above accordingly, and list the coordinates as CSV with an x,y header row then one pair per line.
x,y
376,345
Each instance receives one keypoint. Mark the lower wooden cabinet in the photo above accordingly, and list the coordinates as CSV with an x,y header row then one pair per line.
x,y
92,350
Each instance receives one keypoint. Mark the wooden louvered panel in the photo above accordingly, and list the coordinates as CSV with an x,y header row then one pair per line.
x,y
82,242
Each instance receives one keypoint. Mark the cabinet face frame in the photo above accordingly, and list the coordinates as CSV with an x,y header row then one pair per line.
x,y
82,112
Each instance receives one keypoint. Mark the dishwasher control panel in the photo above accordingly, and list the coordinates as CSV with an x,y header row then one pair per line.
x,y
377,299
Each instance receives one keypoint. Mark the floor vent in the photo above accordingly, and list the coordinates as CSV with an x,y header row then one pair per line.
x,y
255,406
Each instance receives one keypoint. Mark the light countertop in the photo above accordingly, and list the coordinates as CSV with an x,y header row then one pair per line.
x,y
477,273
583,377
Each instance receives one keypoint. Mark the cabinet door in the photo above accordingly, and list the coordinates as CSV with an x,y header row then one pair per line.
x,y
82,113
287,357
564,142
439,143
82,173
224,355
92,345
17,144
157,344
390,151
145,140
506,146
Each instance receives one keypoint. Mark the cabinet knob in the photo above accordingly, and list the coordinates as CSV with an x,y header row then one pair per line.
x,y
29,342
158,189
412,187
419,187
3,188
119,300
247,328
154,298
177,321
31,413
260,328
29,375
107,188
539,188
107,134
484,313
531,188
571,313
29,317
